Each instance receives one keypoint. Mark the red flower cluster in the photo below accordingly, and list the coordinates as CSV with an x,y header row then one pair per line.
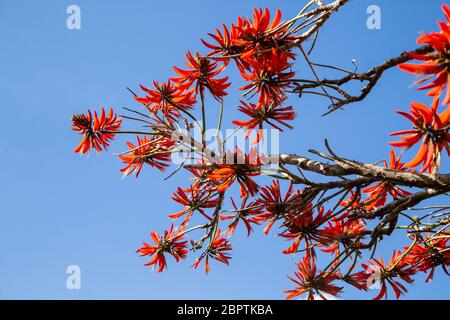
x,y
378,272
305,226
250,36
167,98
435,64
239,167
429,254
217,251
169,243
269,74
430,127
275,205
309,280
200,75
260,114
155,152
379,192
96,131
193,199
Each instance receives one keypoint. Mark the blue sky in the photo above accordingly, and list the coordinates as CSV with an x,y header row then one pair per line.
x,y
59,209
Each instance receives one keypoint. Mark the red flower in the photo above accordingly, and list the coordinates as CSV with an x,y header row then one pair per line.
x,y
378,193
201,74
167,98
435,64
168,243
248,214
226,45
432,128
194,199
304,226
308,280
217,251
387,274
97,132
268,76
345,233
248,36
275,205
155,152
241,169
264,113
430,254
261,34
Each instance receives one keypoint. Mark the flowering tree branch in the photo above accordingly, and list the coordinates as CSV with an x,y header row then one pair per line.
x,y
341,207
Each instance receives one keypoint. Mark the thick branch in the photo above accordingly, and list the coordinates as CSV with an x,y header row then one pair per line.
x,y
345,167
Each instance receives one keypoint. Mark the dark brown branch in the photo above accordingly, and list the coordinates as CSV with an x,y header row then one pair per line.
x,y
371,77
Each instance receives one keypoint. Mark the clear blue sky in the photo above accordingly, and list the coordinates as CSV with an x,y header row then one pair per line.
x,y
59,209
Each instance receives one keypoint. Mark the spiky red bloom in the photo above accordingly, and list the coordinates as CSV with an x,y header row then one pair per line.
x,y
248,36
97,132
268,76
387,274
275,205
194,199
436,64
342,233
155,152
247,213
225,44
169,243
261,33
260,114
217,251
308,280
430,127
167,98
429,254
304,225
201,75
379,192
241,168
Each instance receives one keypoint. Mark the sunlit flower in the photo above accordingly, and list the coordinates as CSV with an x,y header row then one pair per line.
x,y
275,205
388,274
429,254
305,225
247,213
194,199
269,76
218,250
167,98
155,152
342,233
169,243
379,192
241,168
436,64
96,131
430,127
202,74
309,280
260,114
